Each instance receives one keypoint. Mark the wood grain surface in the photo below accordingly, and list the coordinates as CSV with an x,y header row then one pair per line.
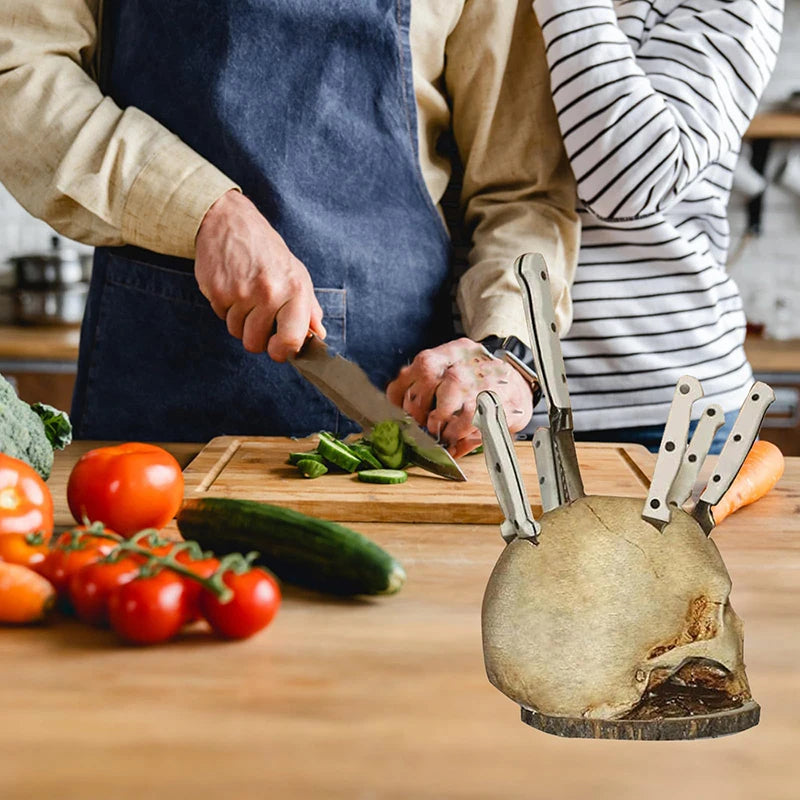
x,y
40,343
255,468
382,699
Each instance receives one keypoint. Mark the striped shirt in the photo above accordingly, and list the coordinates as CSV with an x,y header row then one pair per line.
x,y
653,98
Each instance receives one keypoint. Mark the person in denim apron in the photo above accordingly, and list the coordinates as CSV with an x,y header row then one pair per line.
x,y
300,196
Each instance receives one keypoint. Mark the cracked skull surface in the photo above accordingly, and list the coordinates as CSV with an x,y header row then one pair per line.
x,y
614,610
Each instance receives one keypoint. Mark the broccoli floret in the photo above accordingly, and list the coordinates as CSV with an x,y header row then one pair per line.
x,y
30,435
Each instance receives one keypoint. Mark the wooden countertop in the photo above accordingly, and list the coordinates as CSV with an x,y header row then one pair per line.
x,y
383,699
774,125
39,343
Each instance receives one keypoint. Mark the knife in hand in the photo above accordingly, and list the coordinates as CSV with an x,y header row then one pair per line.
x,y
349,388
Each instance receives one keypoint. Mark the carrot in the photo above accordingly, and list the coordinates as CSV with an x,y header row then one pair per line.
x,y
25,596
761,470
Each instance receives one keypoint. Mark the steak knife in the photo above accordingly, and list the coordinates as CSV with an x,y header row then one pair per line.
x,y
349,388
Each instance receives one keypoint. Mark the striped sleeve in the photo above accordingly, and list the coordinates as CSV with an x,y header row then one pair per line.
x,y
641,121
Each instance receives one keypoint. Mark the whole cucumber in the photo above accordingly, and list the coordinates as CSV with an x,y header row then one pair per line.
x,y
299,549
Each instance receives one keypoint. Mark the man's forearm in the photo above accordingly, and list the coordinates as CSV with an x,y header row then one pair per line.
x,y
75,159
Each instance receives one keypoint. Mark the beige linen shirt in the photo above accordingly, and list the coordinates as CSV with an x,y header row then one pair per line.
x,y
110,176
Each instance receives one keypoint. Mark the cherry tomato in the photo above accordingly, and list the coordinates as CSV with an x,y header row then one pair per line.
x,y
203,568
26,505
129,487
60,563
256,599
149,610
91,586
15,549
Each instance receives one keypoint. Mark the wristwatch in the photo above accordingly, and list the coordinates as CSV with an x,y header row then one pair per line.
x,y
517,355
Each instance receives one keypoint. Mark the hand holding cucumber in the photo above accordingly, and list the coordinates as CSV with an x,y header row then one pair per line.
x,y
439,387
253,281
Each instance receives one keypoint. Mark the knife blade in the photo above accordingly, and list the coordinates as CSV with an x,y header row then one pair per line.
x,y
533,279
349,388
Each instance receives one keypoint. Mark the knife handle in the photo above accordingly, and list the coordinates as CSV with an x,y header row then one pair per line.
x,y
673,445
501,462
739,442
710,422
534,282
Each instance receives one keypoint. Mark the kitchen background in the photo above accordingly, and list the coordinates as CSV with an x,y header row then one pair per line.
x,y
764,260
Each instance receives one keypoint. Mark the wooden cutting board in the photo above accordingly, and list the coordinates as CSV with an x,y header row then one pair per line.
x,y
255,468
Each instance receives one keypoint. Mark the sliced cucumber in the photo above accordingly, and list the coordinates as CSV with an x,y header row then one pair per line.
x,y
364,452
313,455
387,444
337,453
311,468
383,476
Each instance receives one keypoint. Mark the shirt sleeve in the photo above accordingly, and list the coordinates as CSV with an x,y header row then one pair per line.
x,y
518,192
642,125
95,172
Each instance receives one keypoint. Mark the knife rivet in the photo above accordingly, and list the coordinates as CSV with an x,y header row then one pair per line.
x,y
692,458
537,443
563,378
541,481
684,388
737,437
498,467
754,397
669,446
654,503
544,275
716,479
553,327
711,411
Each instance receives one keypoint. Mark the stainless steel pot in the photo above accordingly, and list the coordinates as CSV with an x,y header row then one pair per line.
x,y
62,266
62,305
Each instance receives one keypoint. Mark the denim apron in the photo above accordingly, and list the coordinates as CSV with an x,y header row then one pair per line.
x,y
309,106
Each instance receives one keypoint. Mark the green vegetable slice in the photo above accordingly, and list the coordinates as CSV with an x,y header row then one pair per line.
x,y
312,455
383,476
311,468
364,452
337,453
387,444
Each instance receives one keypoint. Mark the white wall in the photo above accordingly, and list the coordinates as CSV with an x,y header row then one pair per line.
x,y
767,268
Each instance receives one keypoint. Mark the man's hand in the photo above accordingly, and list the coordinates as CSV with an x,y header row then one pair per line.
x,y
439,387
253,281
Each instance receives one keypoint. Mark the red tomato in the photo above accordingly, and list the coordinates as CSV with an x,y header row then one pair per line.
x,y
128,487
60,564
91,586
204,568
256,599
15,549
26,505
149,610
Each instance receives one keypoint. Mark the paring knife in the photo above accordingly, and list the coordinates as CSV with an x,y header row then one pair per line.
x,y
501,462
349,388
531,272
670,455
733,454
712,419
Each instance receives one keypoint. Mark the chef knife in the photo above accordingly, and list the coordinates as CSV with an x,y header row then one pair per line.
x,y
347,386
740,440
656,510
503,468
531,272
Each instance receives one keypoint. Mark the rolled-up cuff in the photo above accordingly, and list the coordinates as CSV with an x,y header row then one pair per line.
x,y
169,198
